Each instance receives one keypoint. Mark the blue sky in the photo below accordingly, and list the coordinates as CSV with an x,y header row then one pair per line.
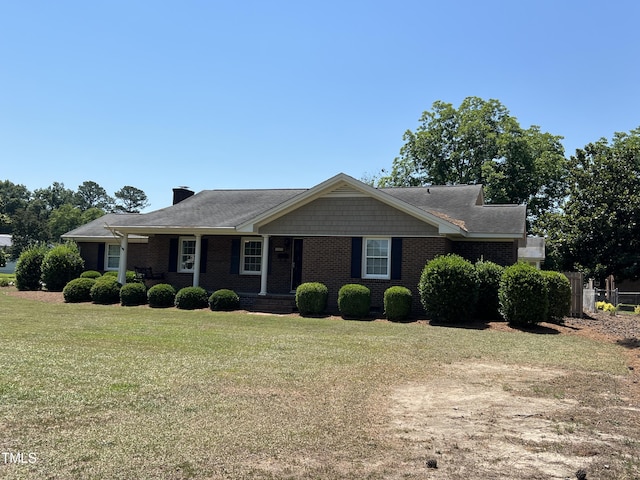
x,y
258,94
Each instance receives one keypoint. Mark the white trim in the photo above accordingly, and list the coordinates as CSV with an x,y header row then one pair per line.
x,y
122,267
264,260
179,267
245,240
386,276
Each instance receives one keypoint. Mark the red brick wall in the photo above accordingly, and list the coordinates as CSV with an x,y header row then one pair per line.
x,y
328,260
502,253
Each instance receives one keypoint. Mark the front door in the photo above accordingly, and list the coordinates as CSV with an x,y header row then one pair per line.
x,y
296,264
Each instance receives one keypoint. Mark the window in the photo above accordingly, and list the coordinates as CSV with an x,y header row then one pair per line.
x,y
112,256
186,255
376,258
251,260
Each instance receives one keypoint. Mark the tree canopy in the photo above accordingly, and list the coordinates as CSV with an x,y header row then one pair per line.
x,y
598,230
43,215
480,142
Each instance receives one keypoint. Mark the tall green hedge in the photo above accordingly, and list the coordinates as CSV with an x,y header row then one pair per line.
x,y
29,268
559,288
489,275
60,265
448,288
524,298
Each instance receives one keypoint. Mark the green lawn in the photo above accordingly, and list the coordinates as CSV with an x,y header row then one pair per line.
x,y
113,392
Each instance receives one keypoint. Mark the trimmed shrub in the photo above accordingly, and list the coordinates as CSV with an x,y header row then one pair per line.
x,y
192,298
161,295
397,303
311,298
354,300
106,290
78,290
90,274
132,294
448,288
3,258
489,275
559,288
524,298
130,275
225,300
60,265
29,268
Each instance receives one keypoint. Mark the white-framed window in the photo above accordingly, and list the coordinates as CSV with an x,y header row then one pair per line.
x,y
186,254
112,256
376,258
251,256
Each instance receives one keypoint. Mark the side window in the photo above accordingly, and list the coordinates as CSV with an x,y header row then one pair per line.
x,y
376,258
186,254
251,256
112,256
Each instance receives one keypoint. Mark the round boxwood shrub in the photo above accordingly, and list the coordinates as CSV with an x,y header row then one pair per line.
x,y
559,288
224,299
90,274
524,298
354,300
448,288
106,290
192,298
397,303
130,275
60,265
78,290
132,294
311,298
489,275
161,295
29,268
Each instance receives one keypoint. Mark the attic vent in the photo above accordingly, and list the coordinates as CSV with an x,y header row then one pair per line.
x,y
345,191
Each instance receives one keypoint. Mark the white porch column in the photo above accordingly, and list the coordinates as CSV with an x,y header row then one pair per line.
x,y
122,265
264,268
196,265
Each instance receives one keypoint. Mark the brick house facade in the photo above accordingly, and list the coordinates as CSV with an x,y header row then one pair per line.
x,y
340,231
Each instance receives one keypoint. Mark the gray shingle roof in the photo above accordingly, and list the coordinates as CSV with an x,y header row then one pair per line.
x,y
459,205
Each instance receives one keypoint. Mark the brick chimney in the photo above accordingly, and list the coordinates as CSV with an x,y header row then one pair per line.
x,y
181,193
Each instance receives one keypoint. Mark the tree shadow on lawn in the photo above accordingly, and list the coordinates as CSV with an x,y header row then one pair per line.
x,y
629,343
468,325
537,329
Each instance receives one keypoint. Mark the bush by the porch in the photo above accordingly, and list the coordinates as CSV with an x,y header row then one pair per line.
x,y
29,268
161,295
192,298
311,298
90,274
354,300
225,300
559,288
60,265
448,288
524,296
106,290
132,294
489,275
130,275
397,303
78,290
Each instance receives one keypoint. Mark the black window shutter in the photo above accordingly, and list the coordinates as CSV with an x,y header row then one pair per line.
x,y
396,258
356,257
204,250
173,255
100,263
235,256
